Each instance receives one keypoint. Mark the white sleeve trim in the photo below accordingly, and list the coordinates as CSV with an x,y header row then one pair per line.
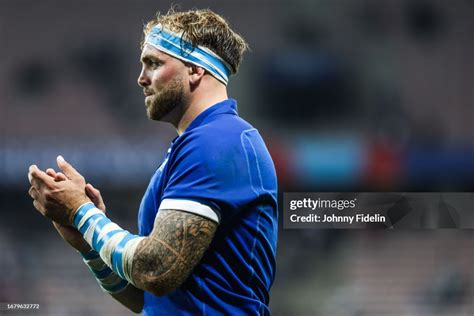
x,y
190,207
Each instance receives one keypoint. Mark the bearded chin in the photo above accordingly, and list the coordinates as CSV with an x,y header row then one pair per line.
x,y
163,103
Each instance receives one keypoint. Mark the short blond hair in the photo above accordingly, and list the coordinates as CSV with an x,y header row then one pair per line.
x,y
205,28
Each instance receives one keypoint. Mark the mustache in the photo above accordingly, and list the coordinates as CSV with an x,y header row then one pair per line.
x,y
147,92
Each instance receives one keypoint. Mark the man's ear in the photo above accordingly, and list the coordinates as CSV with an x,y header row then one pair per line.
x,y
195,74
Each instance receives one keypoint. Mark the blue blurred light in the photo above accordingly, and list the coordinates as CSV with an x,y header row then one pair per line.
x,y
325,161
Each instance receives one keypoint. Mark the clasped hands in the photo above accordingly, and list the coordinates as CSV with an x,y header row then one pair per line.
x,y
57,195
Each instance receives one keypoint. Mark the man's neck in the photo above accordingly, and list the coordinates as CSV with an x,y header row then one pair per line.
x,y
199,103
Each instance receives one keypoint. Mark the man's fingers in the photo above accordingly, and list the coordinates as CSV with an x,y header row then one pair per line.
x,y
66,168
95,196
38,177
33,193
60,177
30,173
30,177
38,206
50,172
92,191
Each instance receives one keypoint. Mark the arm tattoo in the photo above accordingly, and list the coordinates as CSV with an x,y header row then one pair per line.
x,y
164,260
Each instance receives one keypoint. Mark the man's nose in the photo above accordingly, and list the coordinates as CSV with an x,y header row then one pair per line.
x,y
143,79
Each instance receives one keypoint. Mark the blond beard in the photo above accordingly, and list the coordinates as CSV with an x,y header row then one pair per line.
x,y
164,102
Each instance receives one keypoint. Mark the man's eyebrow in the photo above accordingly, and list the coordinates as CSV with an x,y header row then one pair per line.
x,y
147,58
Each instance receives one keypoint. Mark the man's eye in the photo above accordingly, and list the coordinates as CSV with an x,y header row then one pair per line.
x,y
154,64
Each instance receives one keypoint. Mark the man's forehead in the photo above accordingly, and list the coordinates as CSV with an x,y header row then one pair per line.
x,y
150,50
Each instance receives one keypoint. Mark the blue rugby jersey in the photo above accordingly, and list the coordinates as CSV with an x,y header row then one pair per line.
x,y
219,168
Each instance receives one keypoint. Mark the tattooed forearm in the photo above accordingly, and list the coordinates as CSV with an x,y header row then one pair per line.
x,y
164,260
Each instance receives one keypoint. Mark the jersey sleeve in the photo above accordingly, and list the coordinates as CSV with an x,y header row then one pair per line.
x,y
216,176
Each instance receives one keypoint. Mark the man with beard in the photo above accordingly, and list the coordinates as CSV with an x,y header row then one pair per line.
x,y
208,219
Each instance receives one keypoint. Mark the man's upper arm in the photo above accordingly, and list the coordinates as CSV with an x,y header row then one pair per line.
x,y
164,260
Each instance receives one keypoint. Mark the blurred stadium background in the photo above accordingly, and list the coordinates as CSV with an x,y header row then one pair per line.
x,y
350,96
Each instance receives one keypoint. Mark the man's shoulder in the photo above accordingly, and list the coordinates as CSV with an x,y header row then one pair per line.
x,y
230,141
223,132
223,123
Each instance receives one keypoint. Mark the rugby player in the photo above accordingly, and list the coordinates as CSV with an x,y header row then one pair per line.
x,y
208,219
